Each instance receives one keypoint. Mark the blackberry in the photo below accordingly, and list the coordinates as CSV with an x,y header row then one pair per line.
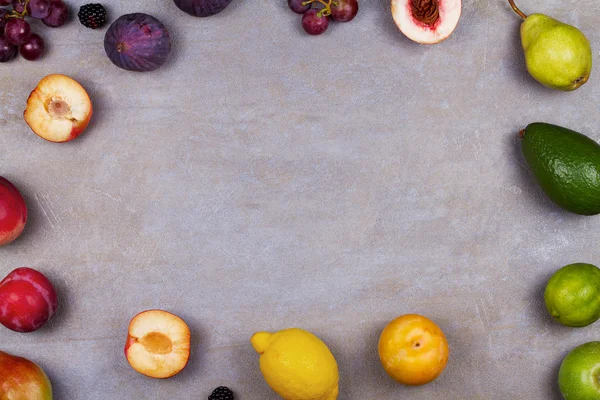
x,y
221,393
92,15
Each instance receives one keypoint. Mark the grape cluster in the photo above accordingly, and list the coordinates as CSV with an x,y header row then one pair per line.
x,y
15,32
316,13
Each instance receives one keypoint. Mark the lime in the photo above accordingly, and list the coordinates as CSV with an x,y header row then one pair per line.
x,y
573,295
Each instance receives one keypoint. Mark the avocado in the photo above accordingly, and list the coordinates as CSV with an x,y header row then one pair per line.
x,y
566,164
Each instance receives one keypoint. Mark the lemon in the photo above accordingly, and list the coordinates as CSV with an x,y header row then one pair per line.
x,y
297,365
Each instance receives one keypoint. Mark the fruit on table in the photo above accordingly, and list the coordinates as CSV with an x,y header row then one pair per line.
x,y
59,13
13,212
298,6
33,47
21,379
8,51
27,300
572,295
566,164
15,30
313,23
426,21
579,373
158,344
413,350
58,109
344,10
92,15
557,55
137,42
202,8
297,365
316,13
221,393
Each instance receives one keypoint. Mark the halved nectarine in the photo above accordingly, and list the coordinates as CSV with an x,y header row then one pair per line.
x,y
158,344
58,109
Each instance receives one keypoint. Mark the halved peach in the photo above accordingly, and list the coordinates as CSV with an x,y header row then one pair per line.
x,y
158,344
58,109
426,21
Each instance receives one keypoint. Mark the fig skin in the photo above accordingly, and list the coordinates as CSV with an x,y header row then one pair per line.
x,y
137,42
202,8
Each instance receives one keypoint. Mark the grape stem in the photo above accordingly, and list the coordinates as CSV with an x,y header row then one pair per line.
x,y
21,15
325,11
516,9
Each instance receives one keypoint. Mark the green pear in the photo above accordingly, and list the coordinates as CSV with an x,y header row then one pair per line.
x,y
558,55
21,379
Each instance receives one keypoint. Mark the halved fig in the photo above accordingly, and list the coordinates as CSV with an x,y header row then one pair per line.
x,y
426,21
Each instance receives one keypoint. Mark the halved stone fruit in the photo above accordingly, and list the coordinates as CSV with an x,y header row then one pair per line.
x,y
426,21
158,344
58,109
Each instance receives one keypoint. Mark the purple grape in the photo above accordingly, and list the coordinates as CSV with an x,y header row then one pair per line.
x,y
313,24
59,13
39,9
137,42
3,14
345,11
33,48
18,6
8,51
5,2
297,7
17,31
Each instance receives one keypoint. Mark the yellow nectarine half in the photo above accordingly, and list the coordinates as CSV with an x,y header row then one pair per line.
x,y
158,344
58,109
413,350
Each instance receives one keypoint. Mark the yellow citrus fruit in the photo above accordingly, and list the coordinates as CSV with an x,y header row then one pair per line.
x,y
413,350
297,365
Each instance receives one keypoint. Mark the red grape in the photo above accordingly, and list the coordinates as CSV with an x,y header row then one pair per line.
x,y
297,7
345,11
33,48
3,14
5,2
17,30
18,6
58,14
38,8
313,24
7,50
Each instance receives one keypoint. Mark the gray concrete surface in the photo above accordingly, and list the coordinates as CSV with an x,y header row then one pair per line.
x,y
264,179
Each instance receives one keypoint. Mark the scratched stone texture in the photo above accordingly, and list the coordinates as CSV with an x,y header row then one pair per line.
x,y
265,179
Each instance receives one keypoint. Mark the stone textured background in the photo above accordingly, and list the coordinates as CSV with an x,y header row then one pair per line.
x,y
265,179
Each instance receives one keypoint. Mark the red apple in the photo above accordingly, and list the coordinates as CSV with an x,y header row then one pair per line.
x,y
158,344
13,212
58,109
21,379
27,300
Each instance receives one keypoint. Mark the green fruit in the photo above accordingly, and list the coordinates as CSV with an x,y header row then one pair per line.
x,y
566,164
573,295
558,55
579,374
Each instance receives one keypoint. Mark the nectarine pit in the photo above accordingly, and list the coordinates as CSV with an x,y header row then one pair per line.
x,y
58,108
426,12
157,343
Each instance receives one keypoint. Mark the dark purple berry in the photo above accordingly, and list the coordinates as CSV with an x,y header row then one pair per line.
x,y
92,15
221,393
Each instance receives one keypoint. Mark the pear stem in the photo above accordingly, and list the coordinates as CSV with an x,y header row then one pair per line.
x,y
514,7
